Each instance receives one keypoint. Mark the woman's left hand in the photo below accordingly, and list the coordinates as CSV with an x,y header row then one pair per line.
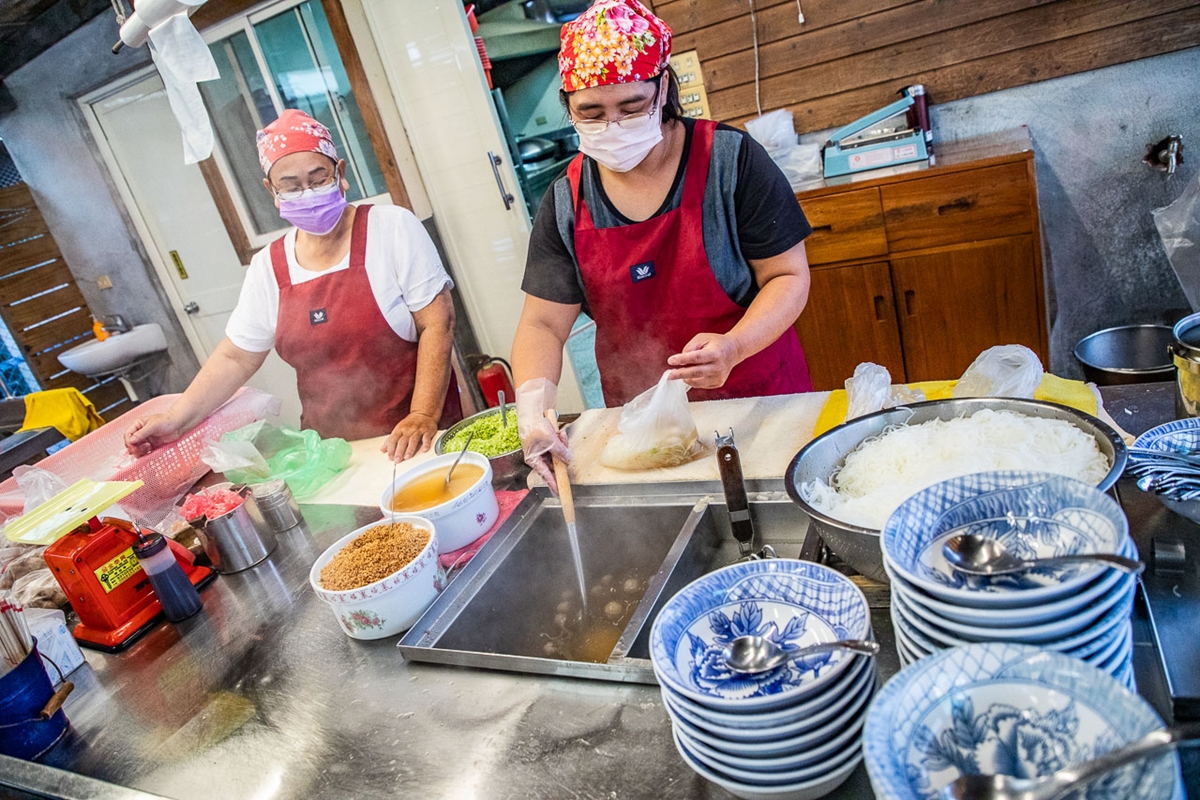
x,y
413,434
706,361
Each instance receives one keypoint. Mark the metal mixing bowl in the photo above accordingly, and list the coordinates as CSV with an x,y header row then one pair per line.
x,y
507,468
859,547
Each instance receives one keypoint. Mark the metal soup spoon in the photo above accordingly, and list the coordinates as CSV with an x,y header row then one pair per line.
x,y
978,555
750,654
450,472
1065,781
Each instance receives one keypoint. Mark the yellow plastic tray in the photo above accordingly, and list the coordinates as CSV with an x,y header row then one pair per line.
x,y
67,510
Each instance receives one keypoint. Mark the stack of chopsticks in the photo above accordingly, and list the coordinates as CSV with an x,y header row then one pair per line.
x,y
15,641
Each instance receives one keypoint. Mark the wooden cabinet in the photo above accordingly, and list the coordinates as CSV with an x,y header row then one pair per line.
x,y
921,271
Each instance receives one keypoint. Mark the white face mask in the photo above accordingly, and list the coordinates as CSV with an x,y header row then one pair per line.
x,y
622,149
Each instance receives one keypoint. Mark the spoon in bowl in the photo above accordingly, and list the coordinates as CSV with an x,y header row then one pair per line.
x,y
750,654
450,472
1060,784
973,554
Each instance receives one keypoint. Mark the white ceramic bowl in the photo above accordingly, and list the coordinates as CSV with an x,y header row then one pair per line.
x,y
388,606
460,520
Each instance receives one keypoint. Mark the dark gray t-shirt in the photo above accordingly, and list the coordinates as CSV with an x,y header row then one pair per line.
x,y
750,212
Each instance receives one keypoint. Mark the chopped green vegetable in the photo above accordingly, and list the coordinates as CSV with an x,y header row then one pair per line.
x,y
491,437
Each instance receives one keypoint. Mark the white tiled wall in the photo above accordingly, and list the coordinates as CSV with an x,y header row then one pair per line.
x,y
429,56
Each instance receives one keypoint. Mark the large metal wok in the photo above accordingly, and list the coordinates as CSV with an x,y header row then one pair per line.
x,y
821,457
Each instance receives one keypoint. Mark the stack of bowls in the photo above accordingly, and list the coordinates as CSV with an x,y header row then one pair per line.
x,y
1007,709
1080,610
792,732
1180,437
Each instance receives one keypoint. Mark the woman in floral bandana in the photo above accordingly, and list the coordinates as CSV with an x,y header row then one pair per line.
x,y
679,237
355,298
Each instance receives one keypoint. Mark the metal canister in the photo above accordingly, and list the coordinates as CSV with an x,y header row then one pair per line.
x,y
277,505
1185,354
238,539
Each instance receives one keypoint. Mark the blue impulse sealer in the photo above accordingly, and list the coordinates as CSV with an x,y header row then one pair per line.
x,y
884,138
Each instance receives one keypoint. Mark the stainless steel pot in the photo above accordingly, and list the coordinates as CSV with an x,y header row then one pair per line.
x,y
859,547
1185,354
507,468
1126,354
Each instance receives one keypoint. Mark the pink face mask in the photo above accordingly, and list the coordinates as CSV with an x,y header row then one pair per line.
x,y
316,211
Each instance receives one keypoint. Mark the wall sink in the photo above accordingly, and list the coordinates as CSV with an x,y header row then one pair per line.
x,y
96,358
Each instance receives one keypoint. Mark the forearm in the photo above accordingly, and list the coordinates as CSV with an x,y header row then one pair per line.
x,y
537,353
433,370
225,371
773,311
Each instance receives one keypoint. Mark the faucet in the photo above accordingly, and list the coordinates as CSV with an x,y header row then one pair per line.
x,y
115,323
1165,155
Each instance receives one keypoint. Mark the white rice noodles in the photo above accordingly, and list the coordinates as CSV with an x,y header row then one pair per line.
x,y
883,472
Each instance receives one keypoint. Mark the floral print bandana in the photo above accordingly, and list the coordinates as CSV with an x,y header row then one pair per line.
x,y
293,132
614,41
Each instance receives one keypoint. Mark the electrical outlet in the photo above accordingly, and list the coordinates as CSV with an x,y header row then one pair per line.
x,y
104,282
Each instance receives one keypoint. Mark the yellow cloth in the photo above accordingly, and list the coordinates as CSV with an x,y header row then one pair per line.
x,y
67,410
1052,389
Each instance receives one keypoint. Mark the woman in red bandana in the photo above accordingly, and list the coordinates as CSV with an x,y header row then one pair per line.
x,y
355,298
679,237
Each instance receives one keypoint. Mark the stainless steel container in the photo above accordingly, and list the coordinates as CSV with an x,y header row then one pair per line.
x,y
277,505
820,458
507,468
1185,354
239,539
1126,354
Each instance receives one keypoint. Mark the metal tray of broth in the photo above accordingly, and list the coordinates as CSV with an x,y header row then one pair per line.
x,y
515,606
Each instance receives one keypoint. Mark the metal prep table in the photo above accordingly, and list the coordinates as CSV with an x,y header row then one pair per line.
x,y
262,696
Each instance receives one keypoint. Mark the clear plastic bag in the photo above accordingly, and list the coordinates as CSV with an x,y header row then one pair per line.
x,y
868,390
800,163
1010,370
1179,227
656,430
260,452
38,485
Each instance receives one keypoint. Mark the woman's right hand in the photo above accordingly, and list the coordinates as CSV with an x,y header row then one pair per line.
x,y
151,432
540,441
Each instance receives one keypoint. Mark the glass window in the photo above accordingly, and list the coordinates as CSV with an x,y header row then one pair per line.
x,y
289,60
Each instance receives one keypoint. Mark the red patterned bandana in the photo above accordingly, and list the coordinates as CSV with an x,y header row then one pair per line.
x,y
614,41
293,132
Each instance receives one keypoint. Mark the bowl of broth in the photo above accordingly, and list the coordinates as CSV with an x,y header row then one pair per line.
x,y
463,509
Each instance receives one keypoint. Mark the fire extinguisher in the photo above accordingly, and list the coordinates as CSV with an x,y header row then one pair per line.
x,y
494,375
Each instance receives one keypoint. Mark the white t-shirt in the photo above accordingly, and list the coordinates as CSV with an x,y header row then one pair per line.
x,y
402,264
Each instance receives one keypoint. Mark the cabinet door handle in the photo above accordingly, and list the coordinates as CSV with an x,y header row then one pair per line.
x,y
961,204
879,308
909,296
495,161
822,229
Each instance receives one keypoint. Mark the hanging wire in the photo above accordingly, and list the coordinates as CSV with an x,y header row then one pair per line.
x,y
799,12
754,31
119,9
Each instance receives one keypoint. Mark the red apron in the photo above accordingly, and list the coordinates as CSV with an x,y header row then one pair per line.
x,y
355,374
650,288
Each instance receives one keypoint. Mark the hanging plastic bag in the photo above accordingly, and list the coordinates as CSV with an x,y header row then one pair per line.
x,y
1010,370
656,430
260,452
1179,227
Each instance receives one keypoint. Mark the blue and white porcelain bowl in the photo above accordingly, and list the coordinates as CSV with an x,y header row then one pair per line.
x,y
773,727
1007,709
1182,435
1036,515
793,603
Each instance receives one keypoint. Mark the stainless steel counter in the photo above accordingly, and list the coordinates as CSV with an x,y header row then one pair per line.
x,y
262,696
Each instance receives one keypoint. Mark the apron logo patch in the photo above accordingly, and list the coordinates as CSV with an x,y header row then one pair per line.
x,y
317,316
641,272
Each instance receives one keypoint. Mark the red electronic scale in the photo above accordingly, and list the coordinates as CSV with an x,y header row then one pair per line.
x,y
93,561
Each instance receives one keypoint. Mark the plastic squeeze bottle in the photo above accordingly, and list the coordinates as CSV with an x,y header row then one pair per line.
x,y
175,592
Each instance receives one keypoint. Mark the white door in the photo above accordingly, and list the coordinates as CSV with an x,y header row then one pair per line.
x,y
180,226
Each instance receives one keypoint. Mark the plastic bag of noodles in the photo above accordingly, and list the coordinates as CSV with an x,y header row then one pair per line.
x,y
656,430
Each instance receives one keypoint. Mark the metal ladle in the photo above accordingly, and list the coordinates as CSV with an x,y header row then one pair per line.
x,y
503,410
750,654
462,453
973,554
1065,781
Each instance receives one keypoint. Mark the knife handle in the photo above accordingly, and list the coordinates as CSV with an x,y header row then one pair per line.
x,y
729,463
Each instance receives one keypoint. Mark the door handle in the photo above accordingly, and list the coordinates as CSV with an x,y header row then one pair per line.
x,y
909,296
879,310
507,197
192,308
961,204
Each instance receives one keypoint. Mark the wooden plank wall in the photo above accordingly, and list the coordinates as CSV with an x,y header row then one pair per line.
x,y
851,56
41,304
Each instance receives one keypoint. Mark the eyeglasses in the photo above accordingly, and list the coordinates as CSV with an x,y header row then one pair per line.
x,y
630,123
296,194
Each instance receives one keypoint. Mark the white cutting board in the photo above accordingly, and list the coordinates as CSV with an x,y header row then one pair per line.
x,y
364,479
769,431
